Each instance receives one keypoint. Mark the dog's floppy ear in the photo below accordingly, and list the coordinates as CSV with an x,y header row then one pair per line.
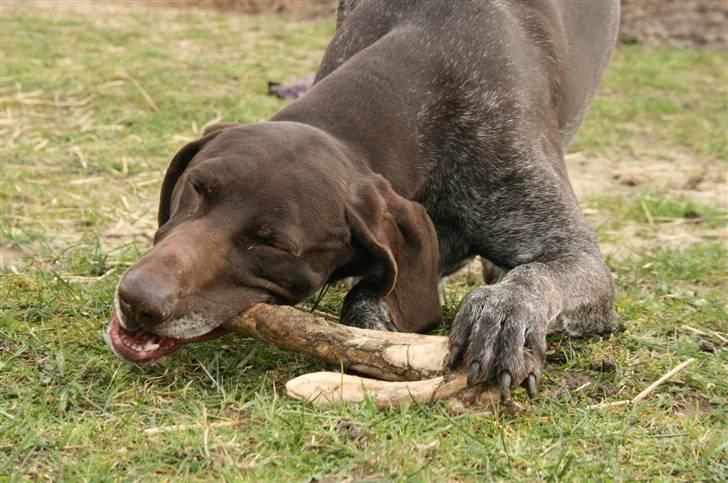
x,y
402,238
178,165
175,169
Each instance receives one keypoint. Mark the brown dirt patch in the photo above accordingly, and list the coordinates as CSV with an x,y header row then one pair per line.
x,y
675,23
573,383
10,256
691,406
682,177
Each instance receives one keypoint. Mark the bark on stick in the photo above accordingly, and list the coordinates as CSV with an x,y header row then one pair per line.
x,y
391,356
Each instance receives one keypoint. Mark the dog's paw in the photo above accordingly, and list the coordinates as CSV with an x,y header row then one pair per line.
x,y
500,338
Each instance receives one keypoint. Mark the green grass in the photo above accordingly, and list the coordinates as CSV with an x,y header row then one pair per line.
x,y
671,98
81,165
647,213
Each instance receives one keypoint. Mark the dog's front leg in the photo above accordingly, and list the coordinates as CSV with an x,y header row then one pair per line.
x,y
499,334
364,308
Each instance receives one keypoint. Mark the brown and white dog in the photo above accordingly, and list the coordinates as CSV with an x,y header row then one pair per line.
x,y
435,132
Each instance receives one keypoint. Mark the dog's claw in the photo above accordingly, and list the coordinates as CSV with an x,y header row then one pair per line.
x,y
531,386
455,356
473,372
505,385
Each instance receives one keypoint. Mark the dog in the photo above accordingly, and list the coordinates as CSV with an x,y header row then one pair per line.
x,y
434,132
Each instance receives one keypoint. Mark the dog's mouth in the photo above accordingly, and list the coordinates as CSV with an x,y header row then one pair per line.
x,y
141,345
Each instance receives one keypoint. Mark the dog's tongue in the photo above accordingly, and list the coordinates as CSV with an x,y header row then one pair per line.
x,y
142,345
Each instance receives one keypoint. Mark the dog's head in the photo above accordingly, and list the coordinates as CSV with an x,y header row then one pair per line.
x,y
265,213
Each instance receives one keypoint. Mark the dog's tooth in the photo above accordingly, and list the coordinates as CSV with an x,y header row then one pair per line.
x,y
151,346
131,343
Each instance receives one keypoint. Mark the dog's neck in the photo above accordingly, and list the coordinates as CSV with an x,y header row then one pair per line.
x,y
361,111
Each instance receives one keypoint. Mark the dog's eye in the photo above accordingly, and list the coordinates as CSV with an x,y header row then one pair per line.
x,y
265,237
284,245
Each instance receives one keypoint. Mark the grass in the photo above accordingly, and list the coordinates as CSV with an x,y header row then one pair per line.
x,y
83,152
670,98
646,215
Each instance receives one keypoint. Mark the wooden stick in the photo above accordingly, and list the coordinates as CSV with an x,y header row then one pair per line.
x,y
142,91
332,388
611,404
392,356
641,396
649,390
648,215
418,360
710,333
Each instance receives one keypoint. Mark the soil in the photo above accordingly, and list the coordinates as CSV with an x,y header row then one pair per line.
x,y
683,176
675,23
690,406
564,384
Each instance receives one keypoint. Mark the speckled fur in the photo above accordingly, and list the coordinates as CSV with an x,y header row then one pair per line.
x,y
493,100
362,308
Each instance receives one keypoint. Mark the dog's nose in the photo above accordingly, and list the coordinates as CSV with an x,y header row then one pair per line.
x,y
146,298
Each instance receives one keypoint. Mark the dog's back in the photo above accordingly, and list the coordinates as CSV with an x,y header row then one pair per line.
x,y
467,42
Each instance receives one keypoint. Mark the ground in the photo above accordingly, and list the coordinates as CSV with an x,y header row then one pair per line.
x,y
94,103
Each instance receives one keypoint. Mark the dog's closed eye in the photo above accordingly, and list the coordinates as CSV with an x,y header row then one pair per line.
x,y
265,236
